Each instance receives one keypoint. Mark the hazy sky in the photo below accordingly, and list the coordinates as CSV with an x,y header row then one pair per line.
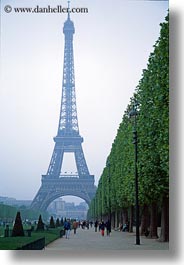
x,y
112,43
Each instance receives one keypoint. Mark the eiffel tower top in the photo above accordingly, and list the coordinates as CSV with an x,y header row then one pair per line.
x,y
68,121
68,25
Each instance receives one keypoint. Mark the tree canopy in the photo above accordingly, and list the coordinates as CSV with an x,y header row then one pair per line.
x,y
116,187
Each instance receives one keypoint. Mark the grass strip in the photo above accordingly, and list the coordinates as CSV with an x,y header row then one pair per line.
x,y
12,243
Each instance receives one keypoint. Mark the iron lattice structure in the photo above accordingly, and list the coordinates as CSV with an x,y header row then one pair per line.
x,y
68,139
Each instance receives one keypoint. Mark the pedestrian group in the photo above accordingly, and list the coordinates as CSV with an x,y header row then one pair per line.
x,y
101,226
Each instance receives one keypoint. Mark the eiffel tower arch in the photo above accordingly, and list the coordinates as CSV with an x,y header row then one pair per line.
x,y
68,140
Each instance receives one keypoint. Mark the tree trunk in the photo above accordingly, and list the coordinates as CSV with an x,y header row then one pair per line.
x,y
125,216
153,221
145,221
119,217
164,237
116,218
131,219
113,219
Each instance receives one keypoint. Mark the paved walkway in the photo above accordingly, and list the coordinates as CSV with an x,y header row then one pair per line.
x,y
91,241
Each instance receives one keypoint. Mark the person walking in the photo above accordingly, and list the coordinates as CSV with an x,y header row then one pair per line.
x,y
96,225
67,227
102,228
75,225
108,227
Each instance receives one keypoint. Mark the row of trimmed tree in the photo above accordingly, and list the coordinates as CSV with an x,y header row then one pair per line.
x,y
115,194
18,226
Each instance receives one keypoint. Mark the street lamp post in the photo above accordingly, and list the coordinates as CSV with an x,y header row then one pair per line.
x,y
133,113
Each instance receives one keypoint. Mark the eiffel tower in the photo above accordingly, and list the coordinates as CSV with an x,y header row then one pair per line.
x,y
68,139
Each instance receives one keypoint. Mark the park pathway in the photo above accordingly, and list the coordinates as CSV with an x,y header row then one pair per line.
x,y
89,240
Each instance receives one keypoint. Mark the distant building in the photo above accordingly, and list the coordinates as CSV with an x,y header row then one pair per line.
x,y
56,207
13,202
60,208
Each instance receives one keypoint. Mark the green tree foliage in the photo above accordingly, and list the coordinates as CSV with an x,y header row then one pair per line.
x,y
116,187
7,213
18,227
52,223
153,122
40,225
31,214
62,222
57,222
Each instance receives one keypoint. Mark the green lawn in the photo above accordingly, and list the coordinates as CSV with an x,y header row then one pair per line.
x,y
12,243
